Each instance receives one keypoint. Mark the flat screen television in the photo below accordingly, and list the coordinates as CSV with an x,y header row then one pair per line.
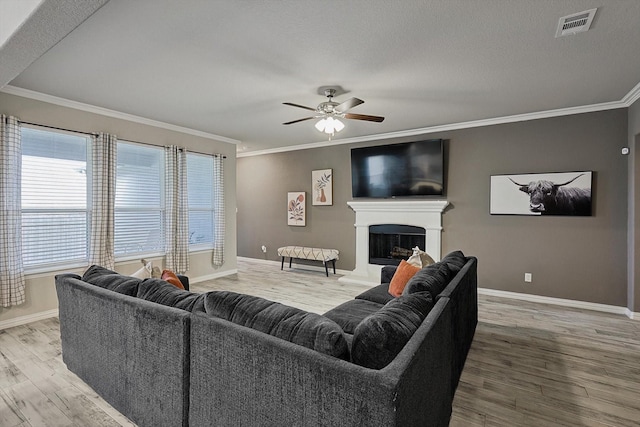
x,y
398,170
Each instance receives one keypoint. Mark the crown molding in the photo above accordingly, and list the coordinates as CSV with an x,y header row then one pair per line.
x,y
38,96
632,96
456,126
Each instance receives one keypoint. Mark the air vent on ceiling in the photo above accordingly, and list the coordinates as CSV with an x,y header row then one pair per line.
x,y
575,23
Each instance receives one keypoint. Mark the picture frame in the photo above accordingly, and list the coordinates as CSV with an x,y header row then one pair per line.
x,y
542,194
296,208
322,187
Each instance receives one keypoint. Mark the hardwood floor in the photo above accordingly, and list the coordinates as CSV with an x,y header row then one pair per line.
x,y
530,364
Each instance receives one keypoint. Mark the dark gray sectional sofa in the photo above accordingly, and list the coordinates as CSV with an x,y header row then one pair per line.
x,y
169,357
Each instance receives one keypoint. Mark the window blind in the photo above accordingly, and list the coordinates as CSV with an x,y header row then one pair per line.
x,y
200,194
139,205
54,197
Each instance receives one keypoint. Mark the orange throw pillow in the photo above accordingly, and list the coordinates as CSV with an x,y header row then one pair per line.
x,y
403,274
170,276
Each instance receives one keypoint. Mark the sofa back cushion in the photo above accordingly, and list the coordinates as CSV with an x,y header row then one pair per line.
x,y
455,261
432,278
108,279
163,292
349,314
379,338
288,323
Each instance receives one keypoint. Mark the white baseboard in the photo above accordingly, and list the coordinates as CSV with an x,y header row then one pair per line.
x,y
632,315
297,265
257,260
23,320
559,301
493,292
212,276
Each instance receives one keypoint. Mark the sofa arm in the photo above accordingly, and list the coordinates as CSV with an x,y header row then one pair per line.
x,y
387,272
184,280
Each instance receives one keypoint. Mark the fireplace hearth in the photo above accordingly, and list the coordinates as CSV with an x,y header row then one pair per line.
x,y
391,243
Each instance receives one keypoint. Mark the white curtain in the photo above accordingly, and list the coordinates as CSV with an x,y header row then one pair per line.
x,y
177,210
218,204
12,283
103,197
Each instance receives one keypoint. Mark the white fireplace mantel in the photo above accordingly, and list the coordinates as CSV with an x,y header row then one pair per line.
x,y
419,213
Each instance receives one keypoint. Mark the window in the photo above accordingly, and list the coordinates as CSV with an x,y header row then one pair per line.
x,y
200,193
54,197
139,206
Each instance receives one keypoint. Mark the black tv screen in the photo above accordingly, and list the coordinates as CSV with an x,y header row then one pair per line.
x,y
398,170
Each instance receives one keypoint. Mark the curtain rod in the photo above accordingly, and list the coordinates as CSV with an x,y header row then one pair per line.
x,y
96,133
56,128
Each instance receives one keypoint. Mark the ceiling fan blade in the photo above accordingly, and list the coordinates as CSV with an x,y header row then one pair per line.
x,y
299,120
348,104
299,106
377,119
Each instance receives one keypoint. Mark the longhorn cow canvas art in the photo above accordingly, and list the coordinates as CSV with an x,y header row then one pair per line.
x,y
560,193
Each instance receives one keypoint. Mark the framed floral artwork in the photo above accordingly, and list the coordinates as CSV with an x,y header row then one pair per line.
x,y
322,183
296,212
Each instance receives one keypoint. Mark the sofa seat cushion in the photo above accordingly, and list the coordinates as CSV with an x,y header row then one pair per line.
x,y
349,314
432,278
310,330
379,338
163,292
379,294
108,279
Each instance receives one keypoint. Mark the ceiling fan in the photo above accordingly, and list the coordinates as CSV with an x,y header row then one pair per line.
x,y
330,111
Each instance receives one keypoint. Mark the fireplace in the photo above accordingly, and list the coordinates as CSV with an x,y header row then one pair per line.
x,y
425,214
390,243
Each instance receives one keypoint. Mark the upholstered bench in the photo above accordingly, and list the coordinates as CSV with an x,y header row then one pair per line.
x,y
314,254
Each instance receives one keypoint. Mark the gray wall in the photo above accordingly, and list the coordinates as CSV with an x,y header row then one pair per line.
x,y
634,209
263,183
579,258
40,290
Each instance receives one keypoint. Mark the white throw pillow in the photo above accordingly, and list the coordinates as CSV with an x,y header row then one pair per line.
x,y
415,261
420,258
145,271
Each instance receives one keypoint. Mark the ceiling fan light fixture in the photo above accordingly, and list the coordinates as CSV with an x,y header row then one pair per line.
x,y
329,125
338,125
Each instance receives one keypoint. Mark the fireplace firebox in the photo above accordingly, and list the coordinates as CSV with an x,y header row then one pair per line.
x,y
391,243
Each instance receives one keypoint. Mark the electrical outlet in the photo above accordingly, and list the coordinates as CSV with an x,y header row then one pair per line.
x,y
264,249
528,277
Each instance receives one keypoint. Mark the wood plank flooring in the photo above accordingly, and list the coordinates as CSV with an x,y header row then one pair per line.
x,y
530,364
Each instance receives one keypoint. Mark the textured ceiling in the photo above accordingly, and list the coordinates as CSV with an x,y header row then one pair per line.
x,y
225,67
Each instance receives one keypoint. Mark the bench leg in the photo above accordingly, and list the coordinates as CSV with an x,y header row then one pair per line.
x,y
282,264
333,261
290,259
326,268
